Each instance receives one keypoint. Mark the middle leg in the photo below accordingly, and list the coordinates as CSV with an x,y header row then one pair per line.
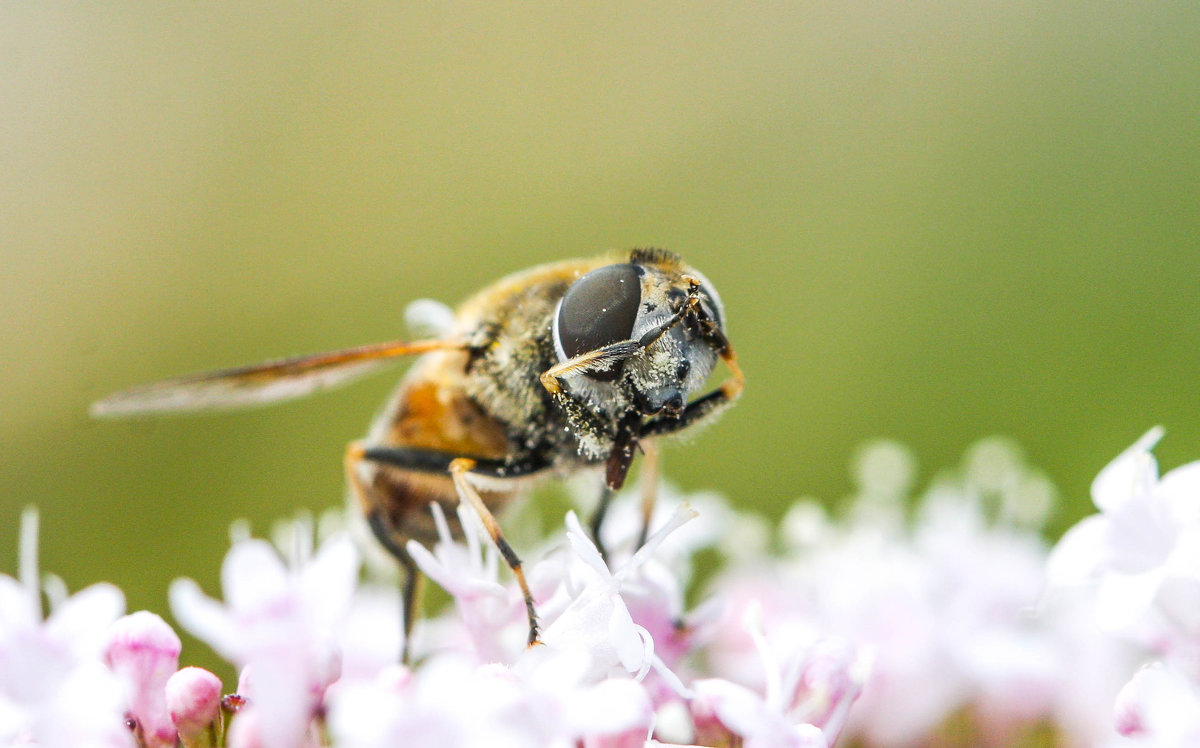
x,y
393,530
467,492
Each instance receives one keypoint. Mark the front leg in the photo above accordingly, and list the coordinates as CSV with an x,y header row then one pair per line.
x,y
593,431
625,446
590,427
582,421
705,405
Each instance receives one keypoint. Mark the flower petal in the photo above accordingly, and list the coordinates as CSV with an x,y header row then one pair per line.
x,y
205,618
327,583
1123,599
1132,471
1180,489
252,575
1081,554
83,619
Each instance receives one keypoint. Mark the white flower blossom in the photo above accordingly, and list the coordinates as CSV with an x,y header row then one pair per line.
x,y
597,620
54,690
1143,548
807,693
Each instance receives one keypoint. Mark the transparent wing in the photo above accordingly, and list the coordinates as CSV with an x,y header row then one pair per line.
x,y
260,384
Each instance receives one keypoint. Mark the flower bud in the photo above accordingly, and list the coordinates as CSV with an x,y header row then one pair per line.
x,y
194,702
143,652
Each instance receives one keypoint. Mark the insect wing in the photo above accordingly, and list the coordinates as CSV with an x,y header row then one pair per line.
x,y
261,384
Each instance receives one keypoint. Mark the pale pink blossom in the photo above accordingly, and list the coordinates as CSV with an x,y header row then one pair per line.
x,y
54,690
143,652
491,615
951,599
1159,707
283,623
806,694
597,620
449,702
724,710
893,624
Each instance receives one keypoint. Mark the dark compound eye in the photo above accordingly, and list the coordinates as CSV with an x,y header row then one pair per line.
x,y
599,309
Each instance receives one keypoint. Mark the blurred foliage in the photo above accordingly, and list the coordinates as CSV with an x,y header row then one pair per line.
x,y
930,221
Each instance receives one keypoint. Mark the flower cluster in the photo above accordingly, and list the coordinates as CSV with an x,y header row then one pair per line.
x,y
906,621
945,595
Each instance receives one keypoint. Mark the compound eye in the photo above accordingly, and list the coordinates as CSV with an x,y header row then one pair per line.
x,y
599,309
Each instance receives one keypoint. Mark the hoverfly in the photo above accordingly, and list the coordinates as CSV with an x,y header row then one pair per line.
x,y
548,371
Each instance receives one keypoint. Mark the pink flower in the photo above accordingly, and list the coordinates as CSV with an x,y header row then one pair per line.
x,y
282,623
807,696
597,620
491,614
723,710
448,703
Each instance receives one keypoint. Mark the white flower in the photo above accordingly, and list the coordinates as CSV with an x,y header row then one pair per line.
x,y
372,636
53,688
281,623
716,525
723,709
947,606
1143,548
449,702
597,621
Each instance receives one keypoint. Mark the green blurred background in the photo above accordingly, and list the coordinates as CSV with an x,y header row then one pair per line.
x,y
932,221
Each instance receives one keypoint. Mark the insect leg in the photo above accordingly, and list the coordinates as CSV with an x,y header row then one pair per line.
x,y
411,590
466,492
438,463
389,538
582,421
606,495
703,406
648,484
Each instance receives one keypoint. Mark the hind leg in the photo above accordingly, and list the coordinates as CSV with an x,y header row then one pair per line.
x,y
390,538
439,463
